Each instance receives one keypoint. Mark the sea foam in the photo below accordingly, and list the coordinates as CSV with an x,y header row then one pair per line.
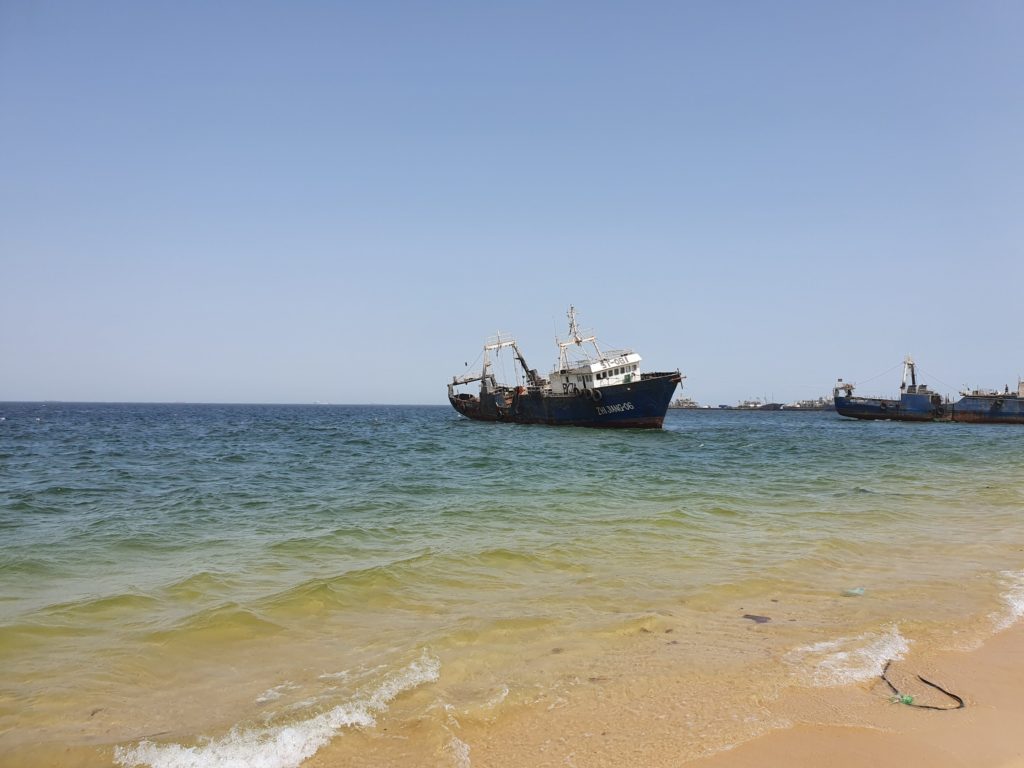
x,y
283,746
1013,598
849,659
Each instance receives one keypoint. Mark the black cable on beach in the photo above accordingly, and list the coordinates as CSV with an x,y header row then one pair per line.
x,y
903,698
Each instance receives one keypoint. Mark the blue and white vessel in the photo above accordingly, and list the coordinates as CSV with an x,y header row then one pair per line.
x,y
598,388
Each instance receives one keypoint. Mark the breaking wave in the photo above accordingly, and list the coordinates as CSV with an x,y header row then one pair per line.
x,y
283,746
1013,598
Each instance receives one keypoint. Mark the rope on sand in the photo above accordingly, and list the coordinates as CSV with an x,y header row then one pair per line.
x,y
903,698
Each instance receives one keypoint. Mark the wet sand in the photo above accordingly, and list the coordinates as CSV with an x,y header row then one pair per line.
x,y
608,723
844,727
987,733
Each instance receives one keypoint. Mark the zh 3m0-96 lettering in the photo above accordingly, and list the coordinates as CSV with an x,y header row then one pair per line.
x,y
604,410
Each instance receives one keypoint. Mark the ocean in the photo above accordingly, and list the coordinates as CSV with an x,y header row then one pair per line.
x,y
276,586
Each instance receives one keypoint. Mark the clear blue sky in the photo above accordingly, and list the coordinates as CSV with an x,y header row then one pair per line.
x,y
292,202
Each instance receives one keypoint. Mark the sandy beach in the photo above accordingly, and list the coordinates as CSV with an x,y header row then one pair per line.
x,y
985,734
845,727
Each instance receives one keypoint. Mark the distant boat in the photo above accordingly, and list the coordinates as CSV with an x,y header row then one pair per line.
x,y
604,389
919,403
818,404
685,402
758,405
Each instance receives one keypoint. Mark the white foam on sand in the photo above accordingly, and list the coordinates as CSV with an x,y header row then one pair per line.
x,y
284,746
848,659
1013,598
459,751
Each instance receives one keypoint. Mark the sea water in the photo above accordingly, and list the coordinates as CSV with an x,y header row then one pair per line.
x,y
275,586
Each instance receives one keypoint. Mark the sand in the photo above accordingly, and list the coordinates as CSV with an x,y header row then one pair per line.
x,y
987,733
842,727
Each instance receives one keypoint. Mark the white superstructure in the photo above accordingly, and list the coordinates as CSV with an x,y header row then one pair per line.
x,y
586,371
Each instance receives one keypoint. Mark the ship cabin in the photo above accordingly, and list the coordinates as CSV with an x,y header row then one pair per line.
x,y
594,374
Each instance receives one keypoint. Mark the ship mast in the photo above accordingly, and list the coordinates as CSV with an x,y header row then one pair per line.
x,y
532,377
908,367
575,337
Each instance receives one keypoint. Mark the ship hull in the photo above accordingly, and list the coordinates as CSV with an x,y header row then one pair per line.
x,y
636,405
878,409
865,407
985,409
972,409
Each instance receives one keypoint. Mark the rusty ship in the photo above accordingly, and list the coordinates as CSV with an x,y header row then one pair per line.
x,y
919,403
588,387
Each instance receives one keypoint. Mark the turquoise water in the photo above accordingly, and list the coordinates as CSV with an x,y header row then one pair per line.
x,y
279,585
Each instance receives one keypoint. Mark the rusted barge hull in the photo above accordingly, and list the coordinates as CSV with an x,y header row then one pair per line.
x,y
968,410
907,408
638,404
989,409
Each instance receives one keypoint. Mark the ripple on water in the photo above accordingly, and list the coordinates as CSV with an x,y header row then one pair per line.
x,y
218,626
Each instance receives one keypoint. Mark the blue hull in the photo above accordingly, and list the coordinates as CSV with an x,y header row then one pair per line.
x,y
923,407
636,405
973,409
989,409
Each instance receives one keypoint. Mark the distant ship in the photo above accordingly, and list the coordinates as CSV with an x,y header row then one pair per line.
x,y
687,403
919,403
757,404
605,389
818,404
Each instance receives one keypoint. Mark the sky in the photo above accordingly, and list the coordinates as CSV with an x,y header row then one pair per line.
x,y
296,202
